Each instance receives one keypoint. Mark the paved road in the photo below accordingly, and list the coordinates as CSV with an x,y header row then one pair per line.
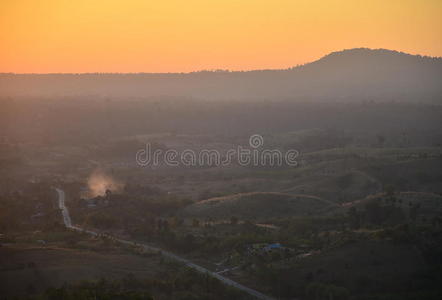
x,y
64,210
68,223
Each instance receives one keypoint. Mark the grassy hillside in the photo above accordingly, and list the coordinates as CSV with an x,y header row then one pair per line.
x,y
257,205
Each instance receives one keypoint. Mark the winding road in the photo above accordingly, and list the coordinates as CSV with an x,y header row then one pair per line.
x,y
68,223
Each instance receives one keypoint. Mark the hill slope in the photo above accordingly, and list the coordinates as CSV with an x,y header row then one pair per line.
x,y
257,205
361,74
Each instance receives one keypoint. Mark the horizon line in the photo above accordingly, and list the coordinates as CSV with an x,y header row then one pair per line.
x,y
220,70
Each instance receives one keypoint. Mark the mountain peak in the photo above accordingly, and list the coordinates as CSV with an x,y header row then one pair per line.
x,y
366,52
360,58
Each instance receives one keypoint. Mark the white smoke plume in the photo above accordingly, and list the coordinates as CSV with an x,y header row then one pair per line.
x,y
99,182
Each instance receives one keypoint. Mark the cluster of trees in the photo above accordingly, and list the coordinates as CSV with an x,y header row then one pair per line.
x,y
376,213
137,210
319,274
28,206
388,210
319,291
180,283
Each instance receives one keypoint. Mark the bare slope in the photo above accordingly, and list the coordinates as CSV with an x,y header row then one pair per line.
x,y
257,205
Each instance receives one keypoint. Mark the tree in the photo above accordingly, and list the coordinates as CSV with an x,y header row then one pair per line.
x,y
373,212
414,209
354,217
389,190
381,140
195,222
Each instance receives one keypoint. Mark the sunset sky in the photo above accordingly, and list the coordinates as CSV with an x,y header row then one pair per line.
x,y
45,36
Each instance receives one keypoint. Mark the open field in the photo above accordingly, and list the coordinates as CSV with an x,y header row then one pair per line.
x,y
33,269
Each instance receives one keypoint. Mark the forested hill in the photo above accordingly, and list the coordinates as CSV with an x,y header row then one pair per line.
x,y
349,75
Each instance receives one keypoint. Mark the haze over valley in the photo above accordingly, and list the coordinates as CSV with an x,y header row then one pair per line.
x,y
308,167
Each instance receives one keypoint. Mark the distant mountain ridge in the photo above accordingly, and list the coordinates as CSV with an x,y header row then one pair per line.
x,y
348,75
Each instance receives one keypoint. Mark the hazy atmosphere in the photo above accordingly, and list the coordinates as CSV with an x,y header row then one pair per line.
x,y
221,150
66,36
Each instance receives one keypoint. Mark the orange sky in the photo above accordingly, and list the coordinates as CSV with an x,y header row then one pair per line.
x,y
44,36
